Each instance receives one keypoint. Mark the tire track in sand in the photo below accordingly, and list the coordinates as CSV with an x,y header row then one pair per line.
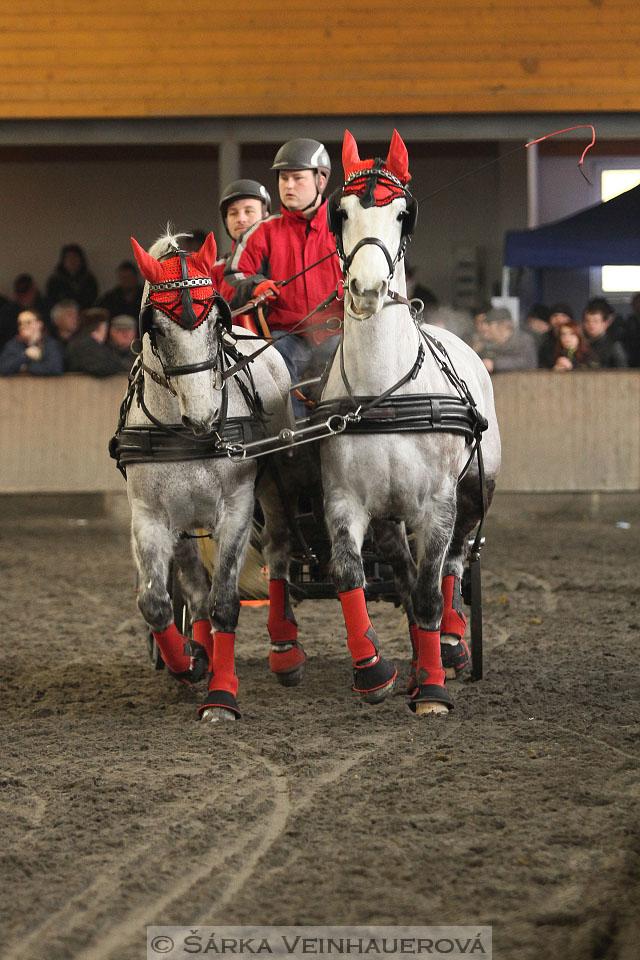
x,y
249,850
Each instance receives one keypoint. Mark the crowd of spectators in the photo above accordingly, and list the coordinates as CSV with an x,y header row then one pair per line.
x,y
550,338
73,327
70,327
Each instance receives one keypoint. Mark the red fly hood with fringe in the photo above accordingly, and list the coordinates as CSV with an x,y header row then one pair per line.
x,y
392,174
170,271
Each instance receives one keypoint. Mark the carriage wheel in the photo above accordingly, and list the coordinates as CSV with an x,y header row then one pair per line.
x,y
475,583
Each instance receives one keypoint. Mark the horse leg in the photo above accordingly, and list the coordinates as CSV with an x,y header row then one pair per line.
x,y
391,540
430,694
453,647
153,545
286,655
195,589
224,610
347,521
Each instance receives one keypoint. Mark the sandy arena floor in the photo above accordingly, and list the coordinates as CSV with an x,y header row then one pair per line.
x,y
519,809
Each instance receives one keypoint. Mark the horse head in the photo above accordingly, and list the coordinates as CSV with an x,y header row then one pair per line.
x,y
372,217
180,317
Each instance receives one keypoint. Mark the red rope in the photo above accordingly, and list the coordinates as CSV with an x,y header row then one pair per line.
x,y
581,126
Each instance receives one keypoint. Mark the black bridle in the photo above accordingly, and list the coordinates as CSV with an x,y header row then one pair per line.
x,y
371,178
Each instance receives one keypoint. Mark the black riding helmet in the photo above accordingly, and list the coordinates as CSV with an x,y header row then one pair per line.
x,y
303,154
238,190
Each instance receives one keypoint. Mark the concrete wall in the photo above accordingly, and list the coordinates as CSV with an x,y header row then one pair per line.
x,y
576,432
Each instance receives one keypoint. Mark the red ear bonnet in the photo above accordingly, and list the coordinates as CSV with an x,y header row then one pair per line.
x,y
205,258
398,159
150,269
350,157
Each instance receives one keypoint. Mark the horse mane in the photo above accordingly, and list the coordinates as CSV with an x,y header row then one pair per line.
x,y
167,242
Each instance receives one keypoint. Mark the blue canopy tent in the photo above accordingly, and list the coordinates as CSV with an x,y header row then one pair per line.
x,y
605,233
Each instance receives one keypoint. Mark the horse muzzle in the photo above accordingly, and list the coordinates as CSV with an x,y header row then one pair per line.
x,y
199,427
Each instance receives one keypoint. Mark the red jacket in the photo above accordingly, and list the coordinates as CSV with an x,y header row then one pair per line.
x,y
276,249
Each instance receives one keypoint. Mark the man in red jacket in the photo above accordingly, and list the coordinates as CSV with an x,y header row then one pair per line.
x,y
283,245
243,203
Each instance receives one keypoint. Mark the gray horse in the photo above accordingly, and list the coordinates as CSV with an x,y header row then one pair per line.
x,y
400,479
185,400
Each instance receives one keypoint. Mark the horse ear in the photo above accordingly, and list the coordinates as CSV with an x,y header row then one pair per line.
x,y
205,258
150,269
350,156
398,158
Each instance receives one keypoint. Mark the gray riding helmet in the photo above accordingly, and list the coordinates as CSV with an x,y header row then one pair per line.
x,y
238,189
302,154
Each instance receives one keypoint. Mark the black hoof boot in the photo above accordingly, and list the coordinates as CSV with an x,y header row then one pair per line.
x,y
455,658
219,705
374,679
430,693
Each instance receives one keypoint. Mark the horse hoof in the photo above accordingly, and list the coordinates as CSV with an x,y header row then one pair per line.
x,y
430,698
377,696
455,657
374,681
287,662
430,706
217,715
291,678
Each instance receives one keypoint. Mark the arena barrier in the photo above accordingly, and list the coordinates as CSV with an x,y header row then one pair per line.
x,y
560,432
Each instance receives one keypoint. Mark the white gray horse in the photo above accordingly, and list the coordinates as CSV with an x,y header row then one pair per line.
x,y
393,479
183,401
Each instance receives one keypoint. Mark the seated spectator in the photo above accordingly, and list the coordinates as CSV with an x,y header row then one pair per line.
x,y
65,320
126,296
596,320
537,322
502,347
122,333
559,314
419,291
87,351
72,279
631,340
26,296
32,350
572,350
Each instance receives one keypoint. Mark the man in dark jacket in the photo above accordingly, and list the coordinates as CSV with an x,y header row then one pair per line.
x,y
595,323
87,351
32,351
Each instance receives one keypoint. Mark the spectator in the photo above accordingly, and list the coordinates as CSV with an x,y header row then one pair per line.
x,y
572,350
122,333
65,320
631,341
596,320
32,350
26,296
420,292
126,296
501,347
87,350
559,314
537,322
72,279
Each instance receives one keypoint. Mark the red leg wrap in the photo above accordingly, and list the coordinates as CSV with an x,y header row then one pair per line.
x,y
453,620
223,676
281,624
202,635
171,644
429,662
361,637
